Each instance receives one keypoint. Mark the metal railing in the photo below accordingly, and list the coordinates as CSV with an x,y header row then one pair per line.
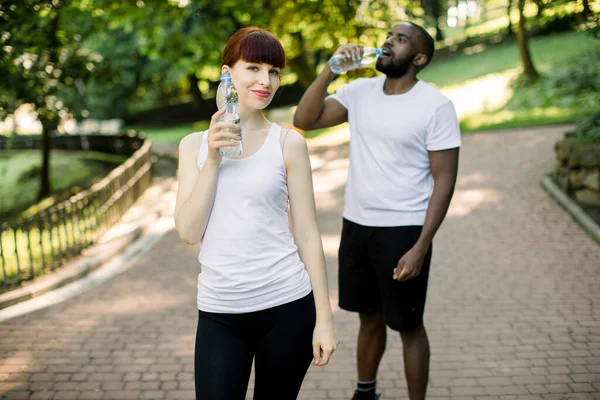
x,y
45,241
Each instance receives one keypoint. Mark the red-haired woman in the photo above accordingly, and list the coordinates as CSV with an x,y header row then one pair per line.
x,y
262,292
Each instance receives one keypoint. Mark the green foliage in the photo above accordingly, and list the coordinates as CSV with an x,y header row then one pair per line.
x,y
568,90
582,75
120,57
575,82
555,23
41,55
170,134
589,129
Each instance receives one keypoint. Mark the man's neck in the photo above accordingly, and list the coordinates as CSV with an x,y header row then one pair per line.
x,y
399,85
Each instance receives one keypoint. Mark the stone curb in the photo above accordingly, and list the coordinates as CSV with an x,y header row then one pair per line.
x,y
576,212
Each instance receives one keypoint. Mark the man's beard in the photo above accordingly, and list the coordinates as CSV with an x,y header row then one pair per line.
x,y
395,69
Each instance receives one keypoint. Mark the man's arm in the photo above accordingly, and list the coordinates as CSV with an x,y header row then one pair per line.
x,y
315,111
444,168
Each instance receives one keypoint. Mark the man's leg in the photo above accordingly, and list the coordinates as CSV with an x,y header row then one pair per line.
x,y
359,292
416,361
404,302
371,345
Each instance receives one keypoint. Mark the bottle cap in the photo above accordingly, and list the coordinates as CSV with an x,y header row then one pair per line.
x,y
225,76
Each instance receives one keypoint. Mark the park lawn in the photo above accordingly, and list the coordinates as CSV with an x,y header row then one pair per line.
x,y
69,171
170,134
565,93
546,51
533,104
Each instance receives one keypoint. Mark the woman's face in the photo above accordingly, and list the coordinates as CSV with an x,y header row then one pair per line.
x,y
255,83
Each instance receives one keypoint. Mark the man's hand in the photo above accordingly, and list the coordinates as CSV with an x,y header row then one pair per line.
x,y
410,264
352,51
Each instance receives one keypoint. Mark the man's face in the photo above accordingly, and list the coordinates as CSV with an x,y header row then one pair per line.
x,y
399,51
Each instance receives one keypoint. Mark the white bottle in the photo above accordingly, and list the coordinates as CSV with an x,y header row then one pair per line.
x,y
341,63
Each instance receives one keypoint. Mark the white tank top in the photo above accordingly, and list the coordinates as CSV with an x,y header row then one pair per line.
x,y
248,256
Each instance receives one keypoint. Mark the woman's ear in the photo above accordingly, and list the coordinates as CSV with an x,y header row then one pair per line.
x,y
225,68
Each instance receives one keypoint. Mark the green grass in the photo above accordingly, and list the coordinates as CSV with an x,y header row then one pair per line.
x,y
567,91
170,134
25,255
505,119
70,171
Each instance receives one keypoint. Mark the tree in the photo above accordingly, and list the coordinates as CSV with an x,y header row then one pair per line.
x,y
529,70
433,10
586,8
165,52
40,55
509,29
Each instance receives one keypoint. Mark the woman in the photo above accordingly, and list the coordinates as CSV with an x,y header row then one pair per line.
x,y
262,292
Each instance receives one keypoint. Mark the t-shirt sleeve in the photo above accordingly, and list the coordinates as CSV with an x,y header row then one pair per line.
x,y
443,130
344,95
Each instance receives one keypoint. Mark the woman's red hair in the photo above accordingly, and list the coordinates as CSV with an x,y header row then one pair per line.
x,y
255,45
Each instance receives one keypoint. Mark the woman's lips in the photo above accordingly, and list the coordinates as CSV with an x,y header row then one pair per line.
x,y
262,94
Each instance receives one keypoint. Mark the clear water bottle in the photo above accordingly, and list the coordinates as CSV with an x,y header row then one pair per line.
x,y
341,63
224,89
227,98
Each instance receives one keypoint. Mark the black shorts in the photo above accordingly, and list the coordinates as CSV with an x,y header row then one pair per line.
x,y
367,258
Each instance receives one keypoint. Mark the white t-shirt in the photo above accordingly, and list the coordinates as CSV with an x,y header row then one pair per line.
x,y
389,180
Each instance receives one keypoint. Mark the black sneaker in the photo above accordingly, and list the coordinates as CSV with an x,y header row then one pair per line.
x,y
377,396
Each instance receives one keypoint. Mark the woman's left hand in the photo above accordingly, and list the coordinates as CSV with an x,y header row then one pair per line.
x,y
325,342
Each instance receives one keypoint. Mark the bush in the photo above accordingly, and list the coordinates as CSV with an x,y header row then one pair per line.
x,y
32,173
581,75
575,83
589,129
548,25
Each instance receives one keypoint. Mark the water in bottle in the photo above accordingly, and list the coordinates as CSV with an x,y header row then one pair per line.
x,y
341,63
227,98
224,90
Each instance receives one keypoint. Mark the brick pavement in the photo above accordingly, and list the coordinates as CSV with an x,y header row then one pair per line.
x,y
513,310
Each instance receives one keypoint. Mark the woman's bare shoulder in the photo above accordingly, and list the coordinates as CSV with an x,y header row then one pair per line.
x,y
190,144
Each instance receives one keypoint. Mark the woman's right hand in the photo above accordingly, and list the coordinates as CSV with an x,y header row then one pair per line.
x,y
218,137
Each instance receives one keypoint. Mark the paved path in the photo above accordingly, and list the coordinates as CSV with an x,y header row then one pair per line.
x,y
513,310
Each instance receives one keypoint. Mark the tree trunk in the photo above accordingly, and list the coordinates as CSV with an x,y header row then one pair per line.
x,y
528,68
45,189
301,65
510,31
306,73
435,13
47,126
540,8
586,7
432,10
195,91
15,124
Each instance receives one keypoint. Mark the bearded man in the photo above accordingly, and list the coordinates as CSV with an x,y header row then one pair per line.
x,y
404,146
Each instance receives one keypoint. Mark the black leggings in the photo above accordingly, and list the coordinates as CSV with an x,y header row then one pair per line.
x,y
279,339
